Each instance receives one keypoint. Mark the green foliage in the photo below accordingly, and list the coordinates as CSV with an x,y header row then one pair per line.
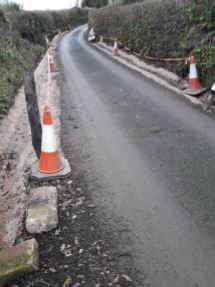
x,y
33,25
168,28
22,43
10,6
131,1
94,3
13,64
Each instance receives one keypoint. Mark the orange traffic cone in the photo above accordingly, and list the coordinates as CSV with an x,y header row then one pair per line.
x,y
51,63
115,48
194,86
50,160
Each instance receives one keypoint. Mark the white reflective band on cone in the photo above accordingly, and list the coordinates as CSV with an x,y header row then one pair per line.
x,y
49,142
193,72
213,88
115,45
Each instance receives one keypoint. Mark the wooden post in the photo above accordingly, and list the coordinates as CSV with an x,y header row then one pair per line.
x,y
33,111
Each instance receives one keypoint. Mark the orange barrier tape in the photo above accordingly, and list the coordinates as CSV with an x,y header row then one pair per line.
x,y
147,57
166,59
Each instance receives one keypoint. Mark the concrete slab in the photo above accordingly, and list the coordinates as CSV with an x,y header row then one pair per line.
x,y
18,261
42,215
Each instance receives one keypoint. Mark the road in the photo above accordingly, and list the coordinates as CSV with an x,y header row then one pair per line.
x,y
147,156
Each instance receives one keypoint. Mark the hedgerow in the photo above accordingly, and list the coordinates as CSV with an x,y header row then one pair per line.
x,y
167,28
22,43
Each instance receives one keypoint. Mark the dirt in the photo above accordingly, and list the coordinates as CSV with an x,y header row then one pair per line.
x,y
79,252
17,155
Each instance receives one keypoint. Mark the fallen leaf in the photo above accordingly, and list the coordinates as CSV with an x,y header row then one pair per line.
x,y
67,282
76,241
116,279
62,248
52,269
127,278
57,232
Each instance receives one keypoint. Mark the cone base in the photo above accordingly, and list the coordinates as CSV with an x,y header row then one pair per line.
x,y
195,92
65,172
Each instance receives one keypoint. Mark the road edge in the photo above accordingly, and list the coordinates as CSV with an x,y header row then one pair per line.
x,y
145,70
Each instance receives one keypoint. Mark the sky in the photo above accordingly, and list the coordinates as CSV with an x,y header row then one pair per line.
x,y
47,4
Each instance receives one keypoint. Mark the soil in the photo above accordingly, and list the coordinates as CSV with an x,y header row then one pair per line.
x,y
17,154
82,251
79,252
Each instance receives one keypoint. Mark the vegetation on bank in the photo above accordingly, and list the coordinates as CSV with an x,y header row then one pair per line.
x,y
94,3
22,43
168,28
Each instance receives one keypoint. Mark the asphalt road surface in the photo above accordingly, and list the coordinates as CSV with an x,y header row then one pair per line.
x,y
148,157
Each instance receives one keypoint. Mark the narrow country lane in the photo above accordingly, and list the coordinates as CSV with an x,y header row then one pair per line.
x,y
147,156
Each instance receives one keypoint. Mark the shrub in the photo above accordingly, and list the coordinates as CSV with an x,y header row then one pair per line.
x,y
167,28
22,43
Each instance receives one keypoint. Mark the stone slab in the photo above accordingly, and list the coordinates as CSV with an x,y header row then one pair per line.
x,y
65,172
18,261
42,215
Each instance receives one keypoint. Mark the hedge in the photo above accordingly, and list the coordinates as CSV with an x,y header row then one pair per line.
x,y
167,28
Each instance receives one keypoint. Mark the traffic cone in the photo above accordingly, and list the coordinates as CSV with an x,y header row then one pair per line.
x,y
50,160
194,86
51,63
115,48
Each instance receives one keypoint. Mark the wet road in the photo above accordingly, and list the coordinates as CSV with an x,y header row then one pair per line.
x,y
148,158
